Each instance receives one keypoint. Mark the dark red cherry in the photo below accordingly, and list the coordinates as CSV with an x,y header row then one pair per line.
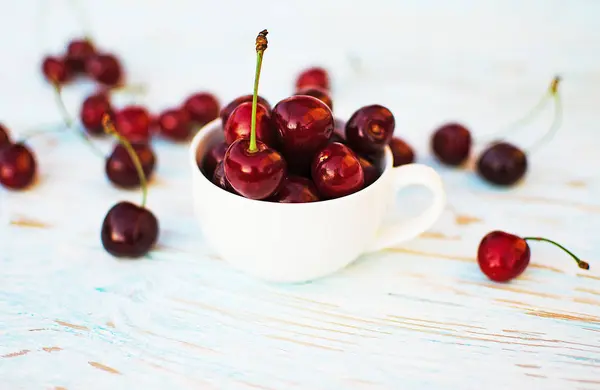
x,y
318,93
92,111
219,178
4,137
502,256
339,129
226,111
175,124
238,124
451,144
403,153
370,171
370,129
336,171
55,70
304,125
202,108
133,123
214,156
129,230
313,77
255,175
18,166
502,164
296,189
120,168
79,51
105,69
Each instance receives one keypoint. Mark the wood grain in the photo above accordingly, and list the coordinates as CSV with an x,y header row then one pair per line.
x,y
419,316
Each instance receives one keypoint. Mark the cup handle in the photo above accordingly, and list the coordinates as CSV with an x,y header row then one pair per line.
x,y
400,231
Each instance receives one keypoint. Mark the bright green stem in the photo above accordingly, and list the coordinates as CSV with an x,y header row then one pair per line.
x,y
69,121
253,148
110,129
582,264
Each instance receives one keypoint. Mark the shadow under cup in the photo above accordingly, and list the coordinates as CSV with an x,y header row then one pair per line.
x,y
288,242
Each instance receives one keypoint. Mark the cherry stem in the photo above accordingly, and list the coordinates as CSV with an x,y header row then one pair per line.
x,y
109,128
69,121
36,133
551,92
556,122
261,46
582,264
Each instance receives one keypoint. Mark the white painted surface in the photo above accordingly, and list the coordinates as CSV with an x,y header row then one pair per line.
x,y
418,317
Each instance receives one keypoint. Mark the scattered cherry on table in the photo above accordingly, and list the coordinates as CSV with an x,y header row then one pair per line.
x,y
18,166
79,51
121,169
93,109
319,93
175,124
313,77
202,107
451,144
105,69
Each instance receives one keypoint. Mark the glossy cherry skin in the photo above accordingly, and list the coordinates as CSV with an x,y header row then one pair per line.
x,y
120,169
313,77
105,69
175,124
296,189
133,123
370,129
92,111
79,51
502,164
226,111
502,256
403,153
451,144
239,123
304,125
18,166
219,178
129,230
202,108
337,172
370,171
4,137
318,93
215,155
55,70
254,175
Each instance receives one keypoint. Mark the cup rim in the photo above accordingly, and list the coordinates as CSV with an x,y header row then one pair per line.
x,y
215,125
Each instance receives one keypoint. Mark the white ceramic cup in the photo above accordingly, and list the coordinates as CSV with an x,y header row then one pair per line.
x,y
296,242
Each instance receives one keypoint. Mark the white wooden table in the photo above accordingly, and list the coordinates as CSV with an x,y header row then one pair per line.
x,y
420,316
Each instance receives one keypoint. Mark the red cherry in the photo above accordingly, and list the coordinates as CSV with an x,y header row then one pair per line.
x,y
79,51
337,172
55,70
129,230
317,92
17,166
339,129
451,144
120,168
4,137
304,125
313,77
370,129
370,170
105,69
403,153
226,111
202,108
296,189
93,109
503,256
238,124
175,124
254,174
219,178
133,122
502,164
215,155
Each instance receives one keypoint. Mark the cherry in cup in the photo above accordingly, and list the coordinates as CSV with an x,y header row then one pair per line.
x,y
215,156
253,169
403,153
317,92
504,256
296,189
336,171
228,109
129,230
370,129
240,122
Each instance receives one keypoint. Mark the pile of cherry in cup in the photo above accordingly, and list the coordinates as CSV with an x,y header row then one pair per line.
x,y
296,151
